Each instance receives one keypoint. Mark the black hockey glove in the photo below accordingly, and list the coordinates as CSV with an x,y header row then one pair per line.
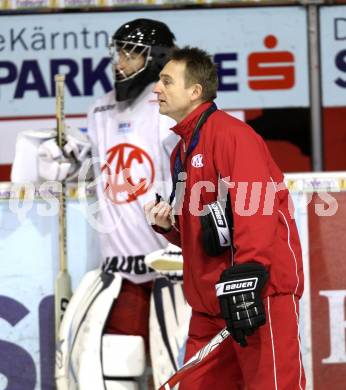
x,y
239,293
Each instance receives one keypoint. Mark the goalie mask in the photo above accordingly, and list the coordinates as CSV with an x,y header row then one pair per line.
x,y
139,50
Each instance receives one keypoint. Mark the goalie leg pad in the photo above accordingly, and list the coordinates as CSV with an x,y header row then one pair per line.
x,y
169,323
88,289
123,356
121,385
79,342
86,352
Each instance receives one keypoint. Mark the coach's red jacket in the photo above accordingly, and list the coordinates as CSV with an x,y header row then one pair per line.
x,y
264,228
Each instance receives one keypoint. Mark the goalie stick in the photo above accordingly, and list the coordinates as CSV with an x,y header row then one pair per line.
x,y
63,281
196,361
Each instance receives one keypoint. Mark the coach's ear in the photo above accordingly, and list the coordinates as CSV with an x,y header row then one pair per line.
x,y
197,91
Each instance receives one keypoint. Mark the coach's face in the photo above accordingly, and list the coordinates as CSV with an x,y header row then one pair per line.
x,y
176,100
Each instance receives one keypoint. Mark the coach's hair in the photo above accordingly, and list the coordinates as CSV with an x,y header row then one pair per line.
x,y
200,69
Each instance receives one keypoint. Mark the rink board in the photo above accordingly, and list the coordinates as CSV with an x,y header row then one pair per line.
x,y
29,262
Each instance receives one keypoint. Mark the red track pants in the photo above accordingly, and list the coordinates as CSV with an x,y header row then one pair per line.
x,y
271,361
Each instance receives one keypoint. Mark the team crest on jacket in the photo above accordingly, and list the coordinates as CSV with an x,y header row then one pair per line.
x,y
197,161
128,173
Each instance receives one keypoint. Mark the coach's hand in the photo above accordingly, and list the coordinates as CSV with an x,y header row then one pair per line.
x,y
239,293
159,214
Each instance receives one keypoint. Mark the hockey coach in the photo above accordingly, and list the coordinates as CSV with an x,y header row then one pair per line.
x,y
232,215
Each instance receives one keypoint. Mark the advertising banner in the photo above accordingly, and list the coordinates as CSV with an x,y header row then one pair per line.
x,y
29,265
320,209
328,294
61,4
333,55
52,4
261,55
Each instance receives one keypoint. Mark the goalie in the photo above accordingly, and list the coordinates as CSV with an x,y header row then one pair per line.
x,y
130,143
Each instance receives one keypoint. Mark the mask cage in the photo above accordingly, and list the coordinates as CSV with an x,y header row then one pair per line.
x,y
131,51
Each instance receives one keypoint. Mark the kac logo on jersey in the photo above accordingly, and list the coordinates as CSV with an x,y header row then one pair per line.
x,y
197,161
128,173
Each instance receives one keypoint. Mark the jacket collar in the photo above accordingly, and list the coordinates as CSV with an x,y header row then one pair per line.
x,y
187,125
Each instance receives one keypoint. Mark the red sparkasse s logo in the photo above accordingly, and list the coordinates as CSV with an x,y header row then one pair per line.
x,y
273,69
128,173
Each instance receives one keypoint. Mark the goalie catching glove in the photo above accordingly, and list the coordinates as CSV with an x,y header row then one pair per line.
x,y
239,293
57,164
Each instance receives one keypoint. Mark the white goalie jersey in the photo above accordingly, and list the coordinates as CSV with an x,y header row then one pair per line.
x,y
131,145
